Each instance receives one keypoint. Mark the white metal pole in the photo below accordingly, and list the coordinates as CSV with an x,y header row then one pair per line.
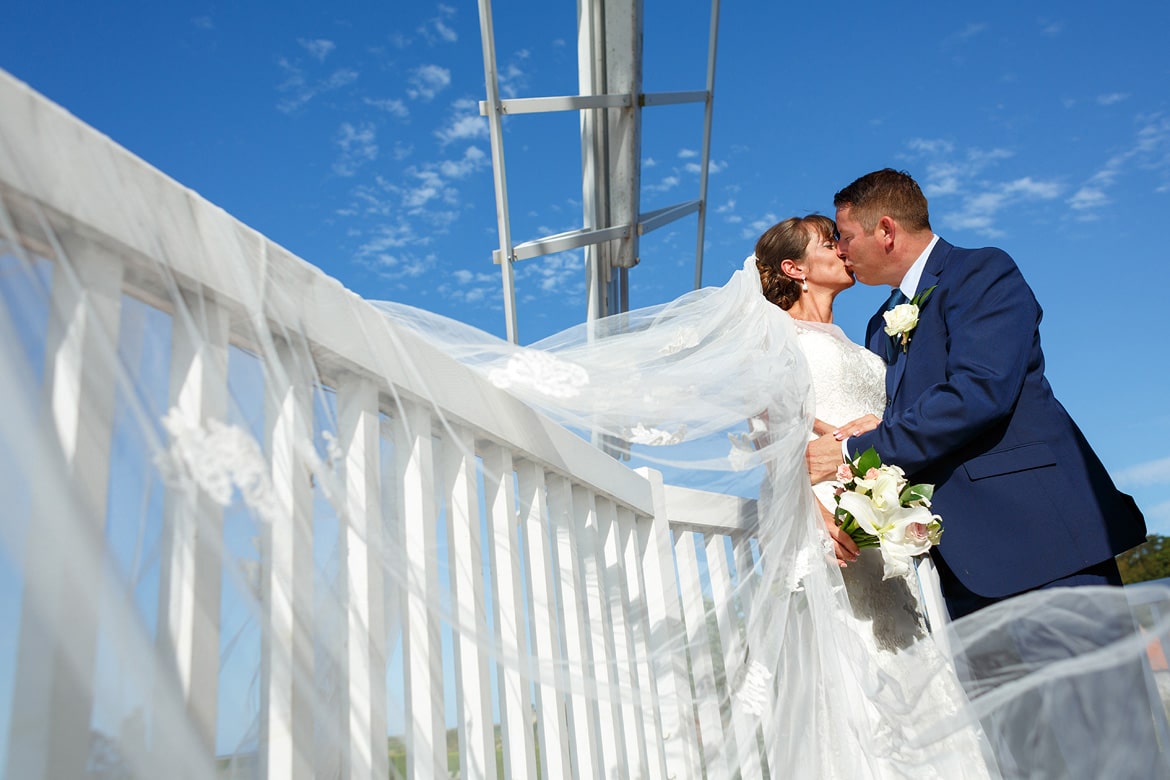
x,y
706,142
491,79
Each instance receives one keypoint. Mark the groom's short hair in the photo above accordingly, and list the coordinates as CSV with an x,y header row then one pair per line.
x,y
885,192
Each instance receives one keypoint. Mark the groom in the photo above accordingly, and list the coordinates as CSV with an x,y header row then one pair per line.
x,y
1025,502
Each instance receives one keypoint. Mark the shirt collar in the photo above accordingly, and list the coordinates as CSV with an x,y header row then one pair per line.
x,y
909,285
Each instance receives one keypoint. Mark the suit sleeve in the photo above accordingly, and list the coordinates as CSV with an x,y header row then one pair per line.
x,y
990,319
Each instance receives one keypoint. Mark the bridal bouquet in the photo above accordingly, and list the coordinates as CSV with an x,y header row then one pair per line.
x,y
878,508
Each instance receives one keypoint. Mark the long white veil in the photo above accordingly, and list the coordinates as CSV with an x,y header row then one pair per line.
x,y
256,526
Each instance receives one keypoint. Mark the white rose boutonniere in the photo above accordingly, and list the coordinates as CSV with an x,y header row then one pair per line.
x,y
903,318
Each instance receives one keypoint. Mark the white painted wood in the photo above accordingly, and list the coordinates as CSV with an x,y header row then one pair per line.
x,y
638,624
632,738
508,599
191,545
358,437
747,577
582,710
699,510
699,643
52,695
203,244
544,619
286,706
426,736
600,674
742,751
477,748
680,741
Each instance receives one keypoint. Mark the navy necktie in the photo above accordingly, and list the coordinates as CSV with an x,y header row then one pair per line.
x,y
897,297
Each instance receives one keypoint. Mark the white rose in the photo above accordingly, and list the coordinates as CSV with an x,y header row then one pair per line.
x,y
903,318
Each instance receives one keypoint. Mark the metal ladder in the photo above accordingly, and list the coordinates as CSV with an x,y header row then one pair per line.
x,y
609,56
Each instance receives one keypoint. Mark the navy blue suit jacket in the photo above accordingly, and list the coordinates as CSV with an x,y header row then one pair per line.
x,y
1023,498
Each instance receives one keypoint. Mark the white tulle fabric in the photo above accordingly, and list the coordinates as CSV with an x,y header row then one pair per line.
x,y
841,669
715,389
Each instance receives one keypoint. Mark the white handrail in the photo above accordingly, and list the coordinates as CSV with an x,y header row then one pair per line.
x,y
585,568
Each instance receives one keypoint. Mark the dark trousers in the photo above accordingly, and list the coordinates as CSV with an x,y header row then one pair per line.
x,y
1063,730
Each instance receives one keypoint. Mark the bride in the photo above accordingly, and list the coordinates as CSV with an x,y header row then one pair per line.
x,y
801,272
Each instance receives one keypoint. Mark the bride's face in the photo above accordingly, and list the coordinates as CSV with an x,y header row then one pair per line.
x,y
824,266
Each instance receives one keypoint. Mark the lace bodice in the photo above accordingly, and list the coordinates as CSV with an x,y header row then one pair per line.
x,y
848,380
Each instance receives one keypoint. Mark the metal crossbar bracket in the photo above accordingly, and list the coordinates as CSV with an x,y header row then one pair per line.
x,y
562,242
609,53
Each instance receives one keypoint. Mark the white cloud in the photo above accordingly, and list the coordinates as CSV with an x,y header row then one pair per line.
x,y
426,81
963,174
301,91
1148,474
686,154
318,48
1087,198
395,108
1158,518
757,226
713,166
1150,150
473,160
1111,98
357,146
1028,187
668,183
465,125
726,207
972,29
437,29
1051,28
648,163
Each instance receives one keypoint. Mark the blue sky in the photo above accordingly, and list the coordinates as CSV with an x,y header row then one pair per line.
x,y
349,133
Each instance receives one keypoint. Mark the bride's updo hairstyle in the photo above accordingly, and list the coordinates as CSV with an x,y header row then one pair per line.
x,y
788,240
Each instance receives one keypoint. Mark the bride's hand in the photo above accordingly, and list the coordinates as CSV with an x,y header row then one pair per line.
x,y
861,425
844,547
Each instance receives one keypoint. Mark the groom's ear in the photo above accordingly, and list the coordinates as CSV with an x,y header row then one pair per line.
x,y
887,229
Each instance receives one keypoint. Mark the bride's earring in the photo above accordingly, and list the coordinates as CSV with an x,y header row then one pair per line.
x,y
804,283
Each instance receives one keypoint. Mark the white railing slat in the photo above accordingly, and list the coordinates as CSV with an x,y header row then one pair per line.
x,y
600,632
191,547
477,748
699,640
632,740
638,625
743,723
358,437
286,710
676,704
584,748
426,735
543,618
52,695
508,598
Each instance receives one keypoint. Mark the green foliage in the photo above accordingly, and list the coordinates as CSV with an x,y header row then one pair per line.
x,y
1148,561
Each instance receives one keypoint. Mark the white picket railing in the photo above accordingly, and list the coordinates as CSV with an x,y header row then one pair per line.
x,y
585,557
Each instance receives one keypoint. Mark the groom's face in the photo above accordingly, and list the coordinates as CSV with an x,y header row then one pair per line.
x,y
863,252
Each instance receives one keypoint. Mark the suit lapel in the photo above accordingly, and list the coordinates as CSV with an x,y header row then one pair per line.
x,y
929,279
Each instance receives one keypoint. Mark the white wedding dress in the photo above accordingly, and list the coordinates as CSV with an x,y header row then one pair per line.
x,y
889,617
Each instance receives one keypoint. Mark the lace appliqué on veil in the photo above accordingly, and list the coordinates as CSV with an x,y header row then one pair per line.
x,y
654,437
220,457
754,691
541,372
